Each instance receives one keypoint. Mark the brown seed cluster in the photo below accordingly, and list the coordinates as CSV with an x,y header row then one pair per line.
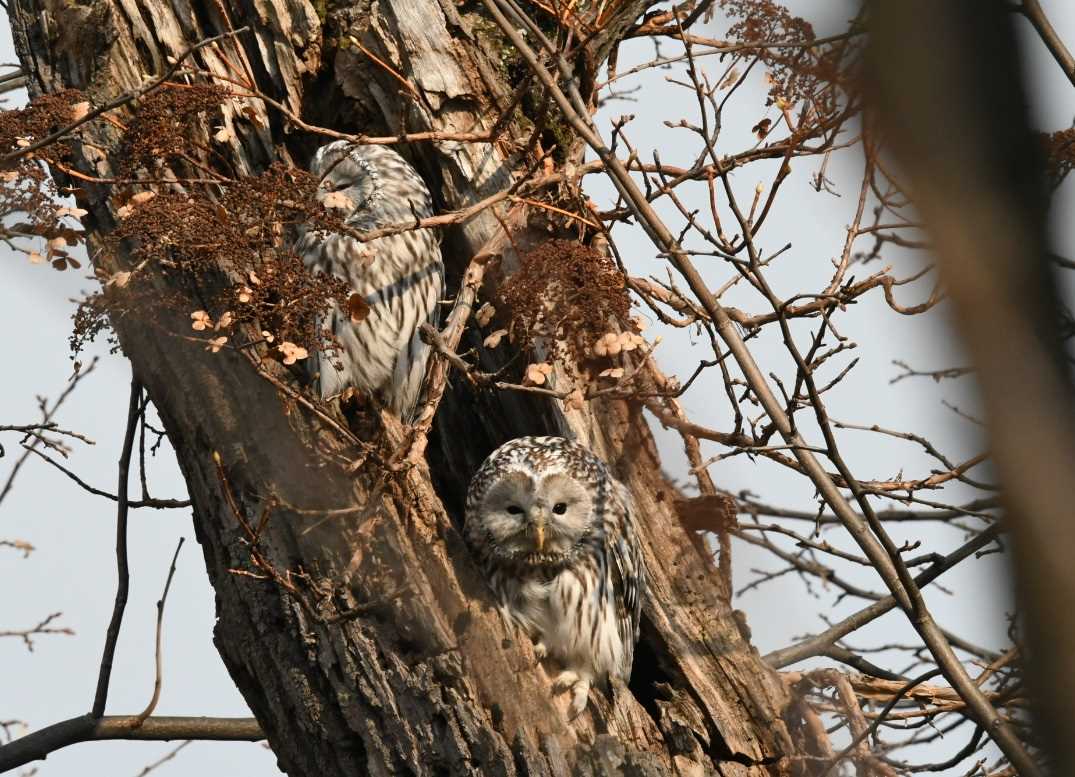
x,y
90,321
795,73
238,244
568,293
40,118
34,221
1059,155
167,123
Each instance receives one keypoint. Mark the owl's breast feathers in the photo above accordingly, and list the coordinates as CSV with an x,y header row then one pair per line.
x,y
584,612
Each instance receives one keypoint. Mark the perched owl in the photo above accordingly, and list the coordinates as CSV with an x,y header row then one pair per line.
x,y
400,276
554,533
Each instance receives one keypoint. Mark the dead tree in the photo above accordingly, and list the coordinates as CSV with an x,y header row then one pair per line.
x,y
350,615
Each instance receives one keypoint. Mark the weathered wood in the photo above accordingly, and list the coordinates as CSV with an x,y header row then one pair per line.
x,y
423,678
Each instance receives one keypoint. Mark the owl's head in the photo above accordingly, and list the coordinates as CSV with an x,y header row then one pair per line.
x,y
534,510
344,171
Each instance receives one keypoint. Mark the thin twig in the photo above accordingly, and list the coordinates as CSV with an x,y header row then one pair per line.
x,y
1031,9
159,656
817,645
157,504
26,635
47,414
163,759
862,735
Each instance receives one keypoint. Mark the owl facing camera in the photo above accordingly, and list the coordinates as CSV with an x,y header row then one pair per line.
x,y
554,533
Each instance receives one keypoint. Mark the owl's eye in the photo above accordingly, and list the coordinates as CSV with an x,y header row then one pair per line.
x,y
560,508
515,509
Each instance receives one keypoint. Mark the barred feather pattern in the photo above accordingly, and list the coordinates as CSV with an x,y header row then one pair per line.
x,y
400,276
554,533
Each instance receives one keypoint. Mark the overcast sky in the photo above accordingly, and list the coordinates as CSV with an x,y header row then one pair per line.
x,y
72,568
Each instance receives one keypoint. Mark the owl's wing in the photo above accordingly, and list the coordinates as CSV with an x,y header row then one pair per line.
x,y
400,276
628,571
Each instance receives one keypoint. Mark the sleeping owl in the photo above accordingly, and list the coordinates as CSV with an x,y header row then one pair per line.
x,y
554,533
399,276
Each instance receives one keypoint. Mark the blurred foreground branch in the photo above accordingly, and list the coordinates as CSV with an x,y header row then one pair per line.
x,y
954,109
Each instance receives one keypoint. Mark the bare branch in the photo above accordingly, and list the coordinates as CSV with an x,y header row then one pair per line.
x,y
86,728
27,635
156,504
164,758
122,571
1031,9
47,413
817,645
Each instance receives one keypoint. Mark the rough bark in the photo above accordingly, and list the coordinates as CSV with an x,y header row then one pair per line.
x,y
421,677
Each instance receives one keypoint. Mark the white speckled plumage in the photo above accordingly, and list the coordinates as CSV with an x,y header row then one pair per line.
x,y
554,533
400,276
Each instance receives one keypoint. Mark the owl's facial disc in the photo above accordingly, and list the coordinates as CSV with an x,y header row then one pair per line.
x,y
537,522
567,508
344,176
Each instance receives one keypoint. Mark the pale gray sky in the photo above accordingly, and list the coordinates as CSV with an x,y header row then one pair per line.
x,y
72,570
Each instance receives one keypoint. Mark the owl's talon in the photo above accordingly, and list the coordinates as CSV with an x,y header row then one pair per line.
x,y
541,651
566,679
580,695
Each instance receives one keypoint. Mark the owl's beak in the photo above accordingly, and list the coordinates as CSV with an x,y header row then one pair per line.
x,y
539,534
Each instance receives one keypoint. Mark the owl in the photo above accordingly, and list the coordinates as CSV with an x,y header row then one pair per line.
x,y
399,276
554,533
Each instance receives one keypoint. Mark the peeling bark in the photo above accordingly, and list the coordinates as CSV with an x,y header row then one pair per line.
x,y
421,677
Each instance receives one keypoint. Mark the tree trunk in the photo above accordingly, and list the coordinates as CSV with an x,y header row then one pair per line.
x,y
365,642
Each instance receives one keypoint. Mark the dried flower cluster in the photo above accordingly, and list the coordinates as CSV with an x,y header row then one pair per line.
x,y
167,123
795,74
228,245
236,248
567,294
34,220
1059,155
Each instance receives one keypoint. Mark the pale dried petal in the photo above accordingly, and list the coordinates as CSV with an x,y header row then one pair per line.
x,y
608,345
485,314
200,320
536,374
338,200
574,400
291,352
629,341
494,338
120,279
79,111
